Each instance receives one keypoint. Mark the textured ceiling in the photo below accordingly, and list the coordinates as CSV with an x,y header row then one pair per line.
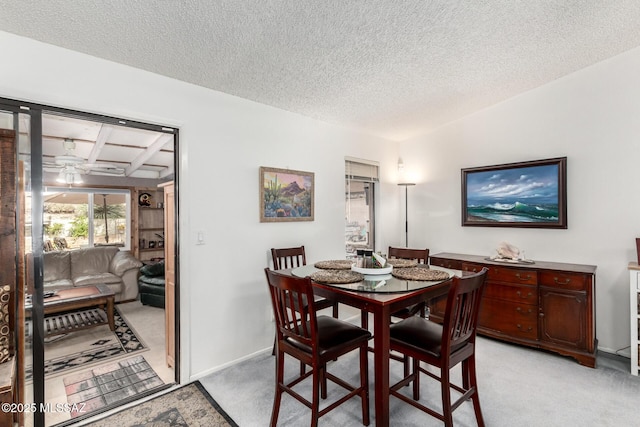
x,y
390,67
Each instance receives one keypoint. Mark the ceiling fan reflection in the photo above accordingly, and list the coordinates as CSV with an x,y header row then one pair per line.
x,y
71,167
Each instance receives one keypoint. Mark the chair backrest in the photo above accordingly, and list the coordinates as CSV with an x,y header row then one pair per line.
x,y
288,257
461,315
289,296
422,255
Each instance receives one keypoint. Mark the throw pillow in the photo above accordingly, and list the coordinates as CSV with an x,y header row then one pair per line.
x,y
5,341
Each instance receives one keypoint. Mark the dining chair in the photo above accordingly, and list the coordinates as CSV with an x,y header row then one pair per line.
x,y
444,346
296,257
314,340
291,258
422,256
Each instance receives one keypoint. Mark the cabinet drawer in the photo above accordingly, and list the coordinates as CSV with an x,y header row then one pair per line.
x,y
560,280
446,263
504,274
509,318
513,275
472,268
514,293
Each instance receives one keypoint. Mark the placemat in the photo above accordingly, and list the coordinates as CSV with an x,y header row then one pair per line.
x,y
420,273
336,276
402,263
335,264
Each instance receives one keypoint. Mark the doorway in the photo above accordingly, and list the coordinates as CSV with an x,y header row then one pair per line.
x,y
85,172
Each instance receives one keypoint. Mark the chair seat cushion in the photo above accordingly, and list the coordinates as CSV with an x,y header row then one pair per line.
x,y
147,288
422,334
97,278
56,285
158,280
335,333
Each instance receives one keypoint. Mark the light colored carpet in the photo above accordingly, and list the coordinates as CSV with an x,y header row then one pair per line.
x,y
518,387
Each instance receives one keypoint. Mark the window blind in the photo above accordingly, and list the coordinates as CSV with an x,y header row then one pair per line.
x,y
361,170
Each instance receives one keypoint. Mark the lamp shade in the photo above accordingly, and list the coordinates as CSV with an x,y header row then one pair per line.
x,y
69,175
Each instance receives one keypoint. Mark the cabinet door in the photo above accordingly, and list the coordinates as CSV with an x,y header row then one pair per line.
x,y
563,317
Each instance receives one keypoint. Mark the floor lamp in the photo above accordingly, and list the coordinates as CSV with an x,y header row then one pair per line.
x,y
406,186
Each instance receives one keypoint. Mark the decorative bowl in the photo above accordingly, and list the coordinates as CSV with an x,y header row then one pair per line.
x,y
373,271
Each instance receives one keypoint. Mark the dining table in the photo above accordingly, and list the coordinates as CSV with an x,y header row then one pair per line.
x,y
380,295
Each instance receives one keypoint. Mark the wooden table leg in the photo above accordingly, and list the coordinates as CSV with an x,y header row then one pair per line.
x,y
112,323
381,365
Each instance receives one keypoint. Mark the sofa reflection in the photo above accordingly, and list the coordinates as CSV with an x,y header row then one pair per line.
x,y
107,265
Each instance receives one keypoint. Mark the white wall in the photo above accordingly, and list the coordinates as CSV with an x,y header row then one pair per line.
x,y
593,118
223,140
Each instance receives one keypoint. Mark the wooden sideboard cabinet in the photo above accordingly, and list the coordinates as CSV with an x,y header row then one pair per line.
x,y
546,305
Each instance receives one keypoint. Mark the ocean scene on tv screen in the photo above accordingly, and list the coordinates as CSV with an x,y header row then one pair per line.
x,y
527,194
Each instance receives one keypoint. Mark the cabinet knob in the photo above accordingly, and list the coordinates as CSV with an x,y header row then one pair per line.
x,y
558,282
527,330
528,277
519,310
529,294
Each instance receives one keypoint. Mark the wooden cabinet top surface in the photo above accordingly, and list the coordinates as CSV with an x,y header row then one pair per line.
x,y
537,265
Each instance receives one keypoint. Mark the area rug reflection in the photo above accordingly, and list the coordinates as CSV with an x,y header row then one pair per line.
x,y
107,385
188,406
82,349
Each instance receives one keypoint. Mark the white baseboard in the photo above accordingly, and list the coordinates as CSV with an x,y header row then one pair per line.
x,y
624,352
203,374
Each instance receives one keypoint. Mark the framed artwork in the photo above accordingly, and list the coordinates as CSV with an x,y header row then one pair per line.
x,y
527,194
152,244
286,195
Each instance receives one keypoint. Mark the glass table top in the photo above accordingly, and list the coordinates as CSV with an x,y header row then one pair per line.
x,y
385,283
